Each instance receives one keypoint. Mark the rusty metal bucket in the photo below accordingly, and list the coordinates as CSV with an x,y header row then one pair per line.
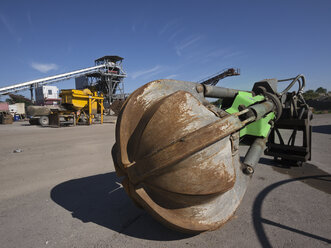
x,y
175,165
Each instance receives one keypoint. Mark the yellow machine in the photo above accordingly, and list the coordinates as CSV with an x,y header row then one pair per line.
x,y
83,102
76,104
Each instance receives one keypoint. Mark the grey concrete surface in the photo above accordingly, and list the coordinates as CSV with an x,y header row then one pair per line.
x,y
61,191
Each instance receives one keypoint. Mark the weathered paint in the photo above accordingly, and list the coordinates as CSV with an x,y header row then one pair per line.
x,y
178,157
261,127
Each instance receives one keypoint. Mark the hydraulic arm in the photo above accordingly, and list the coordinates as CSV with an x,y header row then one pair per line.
x,y
178,154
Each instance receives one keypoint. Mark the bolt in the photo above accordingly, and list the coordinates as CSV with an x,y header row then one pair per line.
x,y
199,88
241,107
248,170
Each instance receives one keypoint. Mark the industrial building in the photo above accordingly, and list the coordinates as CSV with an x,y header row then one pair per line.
x,y
106,77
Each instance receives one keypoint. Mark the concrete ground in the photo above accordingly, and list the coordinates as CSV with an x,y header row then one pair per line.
x,y
61,191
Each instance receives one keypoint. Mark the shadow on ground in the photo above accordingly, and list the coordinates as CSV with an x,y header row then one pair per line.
x,y
102,200
258,220
326,129
306,170
308,174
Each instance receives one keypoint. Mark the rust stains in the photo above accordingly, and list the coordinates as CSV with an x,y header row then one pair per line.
x,y
178,158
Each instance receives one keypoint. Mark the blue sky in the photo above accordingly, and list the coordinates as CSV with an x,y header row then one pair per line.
x,y
184,40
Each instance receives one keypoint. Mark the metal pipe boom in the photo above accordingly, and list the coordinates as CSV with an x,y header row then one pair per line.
x,y
56,78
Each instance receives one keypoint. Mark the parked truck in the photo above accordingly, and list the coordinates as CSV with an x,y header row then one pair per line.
x,y
76,106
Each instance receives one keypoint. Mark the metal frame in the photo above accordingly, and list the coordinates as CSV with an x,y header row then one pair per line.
x,y
107,75
177,153
213,80
110,80
49,80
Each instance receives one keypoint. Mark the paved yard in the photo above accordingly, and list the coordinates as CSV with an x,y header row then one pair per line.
x,y
62,191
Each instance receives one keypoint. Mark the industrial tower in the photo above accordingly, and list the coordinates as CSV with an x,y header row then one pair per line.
x,y
105,76
108,80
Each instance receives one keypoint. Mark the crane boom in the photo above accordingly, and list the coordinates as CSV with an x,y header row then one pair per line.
x,y
213,80
56,78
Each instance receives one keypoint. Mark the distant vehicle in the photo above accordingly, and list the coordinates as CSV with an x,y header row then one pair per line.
x,y
76,106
